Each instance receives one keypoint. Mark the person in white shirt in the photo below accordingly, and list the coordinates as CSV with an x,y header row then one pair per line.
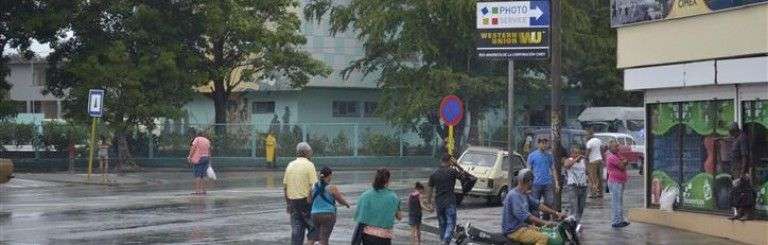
x,y
595,151
575,168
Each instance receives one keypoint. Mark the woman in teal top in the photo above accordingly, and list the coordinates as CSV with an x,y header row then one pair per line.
x,y
377,210
324,197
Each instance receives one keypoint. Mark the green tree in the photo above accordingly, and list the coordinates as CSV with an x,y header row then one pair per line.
x,y
21,21
137,51
425,49
252,40
589,54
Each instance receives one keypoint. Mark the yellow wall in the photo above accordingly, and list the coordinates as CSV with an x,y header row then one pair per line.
x,y
724,34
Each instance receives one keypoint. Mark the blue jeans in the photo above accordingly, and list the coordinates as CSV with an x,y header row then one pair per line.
x,y
299,220
446,219
545,191
617,202
577,197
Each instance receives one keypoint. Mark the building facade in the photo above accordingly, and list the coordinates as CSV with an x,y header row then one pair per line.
x,y
27,78
703,67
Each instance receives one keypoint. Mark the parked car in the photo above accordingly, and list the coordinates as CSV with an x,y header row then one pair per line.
x,y
6,170
628,147
491,167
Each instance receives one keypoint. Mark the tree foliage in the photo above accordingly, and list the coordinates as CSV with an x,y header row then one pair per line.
x,y
137,51
251,40
424,49
589,54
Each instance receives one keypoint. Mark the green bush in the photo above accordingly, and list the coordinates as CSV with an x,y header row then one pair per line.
x,y
340,145
377,144
59,135
319,144
17,133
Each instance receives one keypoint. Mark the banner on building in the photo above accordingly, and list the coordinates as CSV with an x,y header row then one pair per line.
x,y
625,12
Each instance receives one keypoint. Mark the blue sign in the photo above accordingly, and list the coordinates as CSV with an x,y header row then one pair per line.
x,y
96,102
451,110
518,14
512,30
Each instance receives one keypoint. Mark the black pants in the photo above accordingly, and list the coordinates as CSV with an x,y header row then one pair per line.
x,y
300,220
374,240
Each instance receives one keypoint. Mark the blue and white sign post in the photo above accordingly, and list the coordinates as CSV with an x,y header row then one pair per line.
x,y
512,30
96,111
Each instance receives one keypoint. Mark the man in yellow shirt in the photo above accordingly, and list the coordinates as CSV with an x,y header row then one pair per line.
x,y
300,176
270,142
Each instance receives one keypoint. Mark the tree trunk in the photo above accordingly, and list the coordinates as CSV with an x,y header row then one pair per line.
x,y
220,101
123,154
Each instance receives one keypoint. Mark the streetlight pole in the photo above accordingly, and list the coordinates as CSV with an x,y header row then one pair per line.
x,y
556,85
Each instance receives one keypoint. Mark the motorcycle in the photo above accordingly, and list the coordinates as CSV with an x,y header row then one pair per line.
x,y
563,233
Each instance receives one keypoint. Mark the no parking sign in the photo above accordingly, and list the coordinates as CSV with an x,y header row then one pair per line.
x,y
451,112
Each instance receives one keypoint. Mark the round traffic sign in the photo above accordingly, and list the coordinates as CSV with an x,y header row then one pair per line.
x,y
451,110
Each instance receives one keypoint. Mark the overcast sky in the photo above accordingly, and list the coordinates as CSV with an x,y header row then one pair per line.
x,y
41,50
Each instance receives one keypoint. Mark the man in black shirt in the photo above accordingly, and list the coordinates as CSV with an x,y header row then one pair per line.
x,y
442,182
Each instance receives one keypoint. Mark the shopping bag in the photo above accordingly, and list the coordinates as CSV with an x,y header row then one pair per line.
x,y
210,173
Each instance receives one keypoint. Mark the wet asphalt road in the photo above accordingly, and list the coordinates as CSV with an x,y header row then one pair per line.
x,y
240,208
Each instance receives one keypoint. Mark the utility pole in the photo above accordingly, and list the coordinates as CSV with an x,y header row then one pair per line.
x,y
511,117
556,84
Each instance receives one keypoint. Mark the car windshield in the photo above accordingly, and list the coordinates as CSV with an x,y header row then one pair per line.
x,y
485,159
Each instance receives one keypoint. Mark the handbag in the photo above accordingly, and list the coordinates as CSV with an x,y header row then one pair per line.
x,y
210,173
468,182
357,236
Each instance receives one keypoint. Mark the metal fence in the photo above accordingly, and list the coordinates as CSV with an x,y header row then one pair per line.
x,y
51,140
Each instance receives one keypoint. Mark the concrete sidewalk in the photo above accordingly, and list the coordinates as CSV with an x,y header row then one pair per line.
x,y
95,179
596,222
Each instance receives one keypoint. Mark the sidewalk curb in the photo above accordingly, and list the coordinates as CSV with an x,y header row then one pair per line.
x,y
95,180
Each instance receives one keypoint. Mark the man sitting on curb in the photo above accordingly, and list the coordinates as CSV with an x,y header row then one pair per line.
x,y
517,211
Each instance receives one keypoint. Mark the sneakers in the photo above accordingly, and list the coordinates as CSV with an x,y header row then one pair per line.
x,y
578,228
620,225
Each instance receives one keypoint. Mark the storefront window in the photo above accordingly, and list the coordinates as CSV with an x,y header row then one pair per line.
x,y
755,118
664,150
689,155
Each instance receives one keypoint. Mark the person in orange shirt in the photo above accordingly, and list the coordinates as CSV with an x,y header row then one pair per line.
x,y
199,158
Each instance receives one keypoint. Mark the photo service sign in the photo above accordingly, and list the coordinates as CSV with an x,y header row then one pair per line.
x,y
513,30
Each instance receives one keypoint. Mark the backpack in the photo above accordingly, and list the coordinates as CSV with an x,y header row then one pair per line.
x,y
319,190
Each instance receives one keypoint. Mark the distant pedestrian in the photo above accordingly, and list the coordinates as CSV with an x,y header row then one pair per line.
x,y
595,166
270,144
199,158
377,210
300,176
324,198
541,163
442,182
576,182
740,156
414,212
104,157
617,179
